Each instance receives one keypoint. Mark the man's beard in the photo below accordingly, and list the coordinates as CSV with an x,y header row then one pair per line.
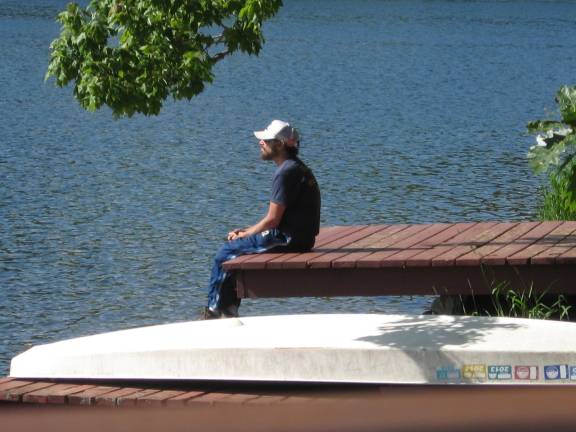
x,y
274,151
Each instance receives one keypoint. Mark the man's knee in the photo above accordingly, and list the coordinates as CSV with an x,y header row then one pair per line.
x,y
225,253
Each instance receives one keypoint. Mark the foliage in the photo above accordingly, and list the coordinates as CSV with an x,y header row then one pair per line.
x,y
555,153
528,304
506,302
556,202
133,54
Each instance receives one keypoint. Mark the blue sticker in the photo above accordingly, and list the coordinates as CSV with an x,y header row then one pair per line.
x,y
500,372
447,373
555,372
573,373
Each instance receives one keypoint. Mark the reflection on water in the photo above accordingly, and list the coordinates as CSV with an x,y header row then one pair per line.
x,y
409,111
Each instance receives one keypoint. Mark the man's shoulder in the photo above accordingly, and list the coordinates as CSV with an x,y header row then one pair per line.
x,y
289,166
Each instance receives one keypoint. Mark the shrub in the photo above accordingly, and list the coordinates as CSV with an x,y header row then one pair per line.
x,y
554,153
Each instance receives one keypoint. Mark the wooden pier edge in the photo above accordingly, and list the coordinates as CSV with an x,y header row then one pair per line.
x,y
401,281
419,259
60,405
65,392
117,394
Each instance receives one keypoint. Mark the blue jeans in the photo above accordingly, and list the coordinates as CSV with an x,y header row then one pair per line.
x,y
222,288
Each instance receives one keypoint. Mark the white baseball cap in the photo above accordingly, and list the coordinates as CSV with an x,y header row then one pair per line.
x,y
279,130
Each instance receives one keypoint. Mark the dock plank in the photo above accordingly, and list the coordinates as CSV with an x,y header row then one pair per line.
x,y
111,399
253,261
541,245
549,255
366,246
133,398
160,398
277,262
476,236
500,256
424,240
88,396
302,260
6,380
438,245
514,231
266,260
390,245
56,394
266,400
11,383
16,393
235,398
210,398
341,249
568,257
184,398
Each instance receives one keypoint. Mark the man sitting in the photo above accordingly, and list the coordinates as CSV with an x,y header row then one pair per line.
x,y
291,224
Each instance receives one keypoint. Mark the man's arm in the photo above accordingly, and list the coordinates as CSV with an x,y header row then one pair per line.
x,y
271,220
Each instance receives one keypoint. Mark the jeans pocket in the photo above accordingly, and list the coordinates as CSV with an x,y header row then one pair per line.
x,y
275,237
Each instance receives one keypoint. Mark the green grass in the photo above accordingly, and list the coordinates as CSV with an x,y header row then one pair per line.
x,y
525,303
529,304
557,199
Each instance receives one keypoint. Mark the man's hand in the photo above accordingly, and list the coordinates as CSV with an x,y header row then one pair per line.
x,y
236,234
271,220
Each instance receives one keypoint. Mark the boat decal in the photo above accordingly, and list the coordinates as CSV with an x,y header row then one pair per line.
x,y
555,372
448,373
523,373
500,372
474,371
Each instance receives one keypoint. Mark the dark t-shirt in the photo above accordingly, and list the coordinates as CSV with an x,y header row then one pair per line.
x,y
295,187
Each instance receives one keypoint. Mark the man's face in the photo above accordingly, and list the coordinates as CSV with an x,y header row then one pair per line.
x,y
269,149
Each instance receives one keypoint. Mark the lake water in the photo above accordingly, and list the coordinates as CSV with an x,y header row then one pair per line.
x,y
410,111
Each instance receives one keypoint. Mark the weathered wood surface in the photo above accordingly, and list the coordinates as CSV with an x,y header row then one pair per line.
x,y
443,258
377,408
78,393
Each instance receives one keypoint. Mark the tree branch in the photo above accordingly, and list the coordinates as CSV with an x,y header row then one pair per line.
x,y
216,58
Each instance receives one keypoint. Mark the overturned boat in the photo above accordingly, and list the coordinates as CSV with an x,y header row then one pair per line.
x,y
334,348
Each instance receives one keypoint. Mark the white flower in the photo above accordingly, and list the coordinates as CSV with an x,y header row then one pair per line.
x,y
540,141
552,136
563,131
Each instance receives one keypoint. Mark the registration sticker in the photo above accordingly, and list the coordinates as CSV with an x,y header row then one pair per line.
x,y
529,373
573,373
500,372
555,372
472,371
448,373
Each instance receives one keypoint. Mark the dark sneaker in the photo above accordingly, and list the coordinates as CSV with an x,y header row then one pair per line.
x,y
230,312
208,313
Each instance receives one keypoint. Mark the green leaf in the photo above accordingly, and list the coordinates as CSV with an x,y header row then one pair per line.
x,y
566,98
543,125
542,159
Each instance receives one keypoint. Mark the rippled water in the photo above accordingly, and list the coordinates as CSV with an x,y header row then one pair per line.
x,y
411,111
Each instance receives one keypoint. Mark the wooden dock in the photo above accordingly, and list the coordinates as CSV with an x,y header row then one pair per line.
x,y
166,393
419,259
60,406
62,392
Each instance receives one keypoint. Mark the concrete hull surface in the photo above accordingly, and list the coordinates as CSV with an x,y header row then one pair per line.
x,y
340,348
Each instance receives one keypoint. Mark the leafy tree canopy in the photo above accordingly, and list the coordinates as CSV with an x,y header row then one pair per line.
x,y
132,54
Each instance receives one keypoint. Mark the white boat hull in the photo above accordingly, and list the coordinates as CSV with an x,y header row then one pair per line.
x,y
355,348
